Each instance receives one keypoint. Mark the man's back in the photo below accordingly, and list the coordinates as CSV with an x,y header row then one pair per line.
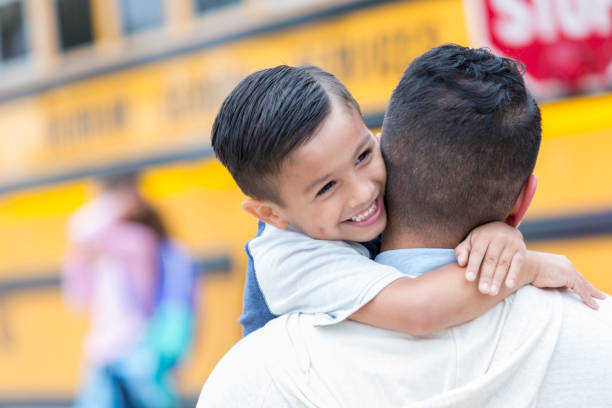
x,y
480,363
536,348
580,369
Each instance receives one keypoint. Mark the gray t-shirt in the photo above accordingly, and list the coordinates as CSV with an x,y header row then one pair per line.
x,y
328,279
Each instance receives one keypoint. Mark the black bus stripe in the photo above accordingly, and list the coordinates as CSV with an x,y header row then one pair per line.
x,y
40,280
567,227
550,229
194,153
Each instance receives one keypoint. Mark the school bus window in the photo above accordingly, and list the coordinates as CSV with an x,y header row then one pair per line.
x,y
138,15
12,30
74,23
204,6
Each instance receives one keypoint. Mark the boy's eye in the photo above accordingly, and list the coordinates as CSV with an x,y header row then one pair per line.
x,y
326,188
363,156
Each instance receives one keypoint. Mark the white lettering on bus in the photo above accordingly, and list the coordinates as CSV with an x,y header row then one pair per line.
x,y
513,26
518,22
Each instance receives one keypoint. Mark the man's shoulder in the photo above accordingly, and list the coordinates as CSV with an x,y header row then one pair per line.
x,y
262,358
530,311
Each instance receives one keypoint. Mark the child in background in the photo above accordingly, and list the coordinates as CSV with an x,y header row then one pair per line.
x,y
138,287
295,142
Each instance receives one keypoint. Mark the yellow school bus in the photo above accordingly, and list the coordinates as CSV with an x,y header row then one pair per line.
x,y
92,86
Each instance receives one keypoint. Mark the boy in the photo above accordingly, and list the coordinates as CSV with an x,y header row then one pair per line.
x,y
295,142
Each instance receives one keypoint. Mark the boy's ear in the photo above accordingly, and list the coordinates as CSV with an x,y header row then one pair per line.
x,y
266,211
523,201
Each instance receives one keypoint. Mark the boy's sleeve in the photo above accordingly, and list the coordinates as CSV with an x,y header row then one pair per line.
x,y
332,279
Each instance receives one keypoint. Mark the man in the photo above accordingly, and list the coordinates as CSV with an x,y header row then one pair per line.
x,y
460,139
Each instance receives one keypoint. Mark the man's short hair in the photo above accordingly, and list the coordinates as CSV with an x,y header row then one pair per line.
x,y
460,138
269,114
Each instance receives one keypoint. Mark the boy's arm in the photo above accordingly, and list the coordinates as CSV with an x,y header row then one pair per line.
x,y
332,279
431,302
443,297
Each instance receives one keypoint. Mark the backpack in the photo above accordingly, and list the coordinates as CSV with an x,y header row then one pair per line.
x,y
172,323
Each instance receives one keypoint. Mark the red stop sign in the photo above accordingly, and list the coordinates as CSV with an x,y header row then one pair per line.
x,y
566,45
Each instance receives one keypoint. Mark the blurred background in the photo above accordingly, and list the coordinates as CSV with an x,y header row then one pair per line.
x,y
92,88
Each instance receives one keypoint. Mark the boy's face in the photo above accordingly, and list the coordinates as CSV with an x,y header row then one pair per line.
x,y
332,187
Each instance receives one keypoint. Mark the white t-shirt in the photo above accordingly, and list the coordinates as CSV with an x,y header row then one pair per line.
x,y
539,348
330,279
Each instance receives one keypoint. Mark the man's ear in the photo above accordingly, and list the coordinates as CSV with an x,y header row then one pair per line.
x,y
523,201
266,211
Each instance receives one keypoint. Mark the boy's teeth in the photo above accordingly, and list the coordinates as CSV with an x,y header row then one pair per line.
x,y
365,214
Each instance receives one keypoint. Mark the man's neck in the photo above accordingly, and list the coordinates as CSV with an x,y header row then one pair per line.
x,y
401,238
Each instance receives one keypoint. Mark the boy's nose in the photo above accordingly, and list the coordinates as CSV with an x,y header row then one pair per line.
x,y
362,193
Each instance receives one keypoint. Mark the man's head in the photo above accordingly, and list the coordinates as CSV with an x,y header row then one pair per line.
x,y
460,139
294,140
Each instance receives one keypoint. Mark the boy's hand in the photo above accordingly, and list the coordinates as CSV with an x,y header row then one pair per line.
x,y
495,249
556,271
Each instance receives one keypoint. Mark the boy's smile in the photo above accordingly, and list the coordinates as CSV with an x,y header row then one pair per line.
x,y
332,187
369,216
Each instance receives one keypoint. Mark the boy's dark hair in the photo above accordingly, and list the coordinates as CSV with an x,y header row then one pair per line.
x,y
460,137
269,114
